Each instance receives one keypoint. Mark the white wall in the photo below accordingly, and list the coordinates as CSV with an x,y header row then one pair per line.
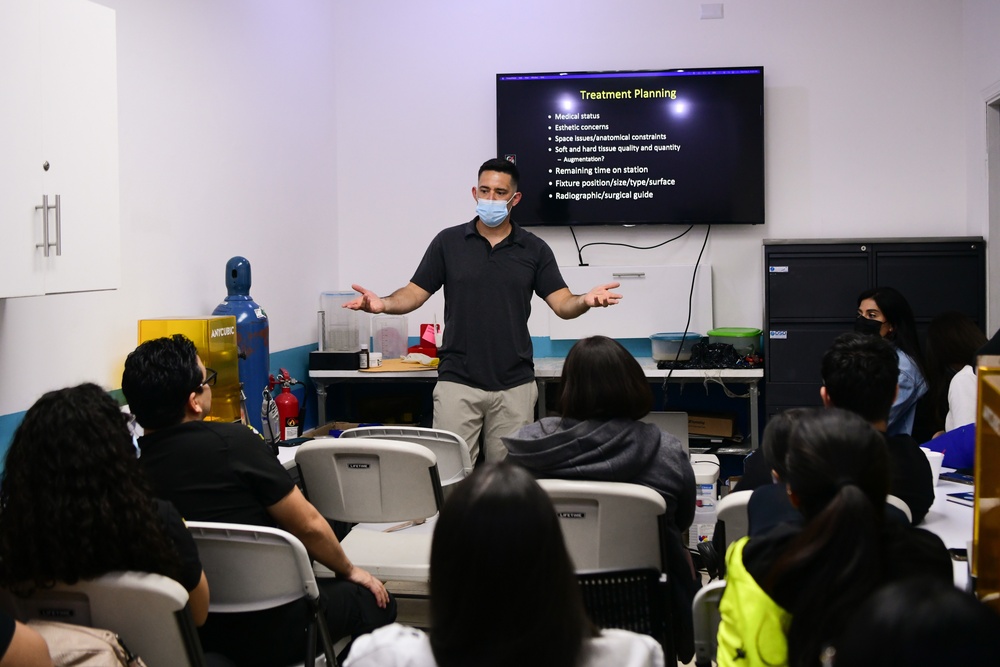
x,y
328,141
227,148
981,64
864,106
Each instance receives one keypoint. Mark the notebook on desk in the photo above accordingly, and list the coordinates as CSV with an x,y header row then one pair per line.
x,y
962,498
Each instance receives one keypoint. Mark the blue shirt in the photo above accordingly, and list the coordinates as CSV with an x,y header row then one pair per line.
x,y
911,387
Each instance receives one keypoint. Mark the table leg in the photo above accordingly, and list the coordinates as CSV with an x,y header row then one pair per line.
x,y
320,402
754,418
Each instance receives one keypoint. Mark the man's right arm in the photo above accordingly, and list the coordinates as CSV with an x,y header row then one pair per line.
x,y
404,300
298,516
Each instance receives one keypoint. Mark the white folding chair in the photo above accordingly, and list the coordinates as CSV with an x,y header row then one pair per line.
x,y
706,622
252,568
609,525
376,483
732,510
451,450
148,611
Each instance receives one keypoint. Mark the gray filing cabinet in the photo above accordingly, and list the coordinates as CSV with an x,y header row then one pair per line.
x,y
811,289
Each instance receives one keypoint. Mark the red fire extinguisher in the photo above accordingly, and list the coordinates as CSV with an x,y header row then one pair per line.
x,y
288,405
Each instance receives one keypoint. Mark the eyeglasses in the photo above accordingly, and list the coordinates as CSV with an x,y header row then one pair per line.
x,y
210,377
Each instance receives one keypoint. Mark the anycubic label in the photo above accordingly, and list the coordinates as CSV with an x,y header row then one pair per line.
x,y
778,335
777,269
223,331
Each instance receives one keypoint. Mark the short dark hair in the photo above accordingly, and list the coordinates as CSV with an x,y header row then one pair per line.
x,y
503,588
601,380
861,373
159,376
504,167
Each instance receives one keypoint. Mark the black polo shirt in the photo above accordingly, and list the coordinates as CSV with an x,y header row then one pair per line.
x,y
214,471
487,301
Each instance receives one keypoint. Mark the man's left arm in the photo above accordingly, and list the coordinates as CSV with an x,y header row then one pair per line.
x,y
567,305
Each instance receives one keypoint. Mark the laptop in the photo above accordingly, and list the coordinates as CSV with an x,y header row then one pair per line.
x,y
674,423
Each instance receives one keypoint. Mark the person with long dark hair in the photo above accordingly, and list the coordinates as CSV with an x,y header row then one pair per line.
x,y
74,504
953,340
884,312
598,435
790,593
503,590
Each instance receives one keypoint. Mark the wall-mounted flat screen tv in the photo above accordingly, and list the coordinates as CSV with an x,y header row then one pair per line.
x,y
681,146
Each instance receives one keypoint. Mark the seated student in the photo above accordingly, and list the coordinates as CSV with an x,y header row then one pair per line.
x,y
769,505
224,472
20,646
859,374
74,505
598,435
953,341
920,622
503,590
886,313
790,593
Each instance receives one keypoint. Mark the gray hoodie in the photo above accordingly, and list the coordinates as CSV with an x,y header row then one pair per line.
x,y
617,450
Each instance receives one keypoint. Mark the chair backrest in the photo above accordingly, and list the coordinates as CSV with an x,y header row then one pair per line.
x,y
900,504
609,525
706,621
732,509
451,450
148,611
370,480
250,568
633,600
674,423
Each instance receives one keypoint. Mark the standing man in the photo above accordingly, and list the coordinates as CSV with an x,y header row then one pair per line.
x,y
214,471
489,268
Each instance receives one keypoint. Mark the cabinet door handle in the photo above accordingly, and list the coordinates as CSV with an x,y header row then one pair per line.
x,y
45,245
58,225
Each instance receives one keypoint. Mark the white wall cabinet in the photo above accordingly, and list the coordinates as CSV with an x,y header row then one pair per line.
x,y
58,136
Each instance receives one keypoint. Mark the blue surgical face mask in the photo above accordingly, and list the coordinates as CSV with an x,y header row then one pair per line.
x,y
492,212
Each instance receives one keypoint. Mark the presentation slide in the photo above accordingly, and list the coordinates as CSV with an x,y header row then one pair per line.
x,y
635,147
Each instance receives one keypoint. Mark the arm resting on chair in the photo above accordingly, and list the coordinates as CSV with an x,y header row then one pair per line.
x,y
198,601
298,516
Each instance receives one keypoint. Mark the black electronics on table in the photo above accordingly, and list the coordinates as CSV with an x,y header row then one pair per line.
x,y
679,146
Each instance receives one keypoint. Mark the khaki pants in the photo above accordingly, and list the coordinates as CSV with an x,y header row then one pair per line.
x,y
468,412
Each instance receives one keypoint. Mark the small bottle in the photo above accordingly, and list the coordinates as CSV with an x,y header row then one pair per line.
x,y
363,357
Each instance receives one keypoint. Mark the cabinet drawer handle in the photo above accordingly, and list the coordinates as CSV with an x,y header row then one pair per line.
x,y
45,245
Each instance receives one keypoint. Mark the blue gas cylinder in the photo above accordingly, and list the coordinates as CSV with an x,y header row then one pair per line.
x,y
251,335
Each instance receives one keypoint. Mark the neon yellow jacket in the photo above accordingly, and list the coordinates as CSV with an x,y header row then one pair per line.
x,y
753,626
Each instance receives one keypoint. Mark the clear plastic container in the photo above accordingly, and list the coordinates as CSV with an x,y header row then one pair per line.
x,y
390,336
667,346
341,325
